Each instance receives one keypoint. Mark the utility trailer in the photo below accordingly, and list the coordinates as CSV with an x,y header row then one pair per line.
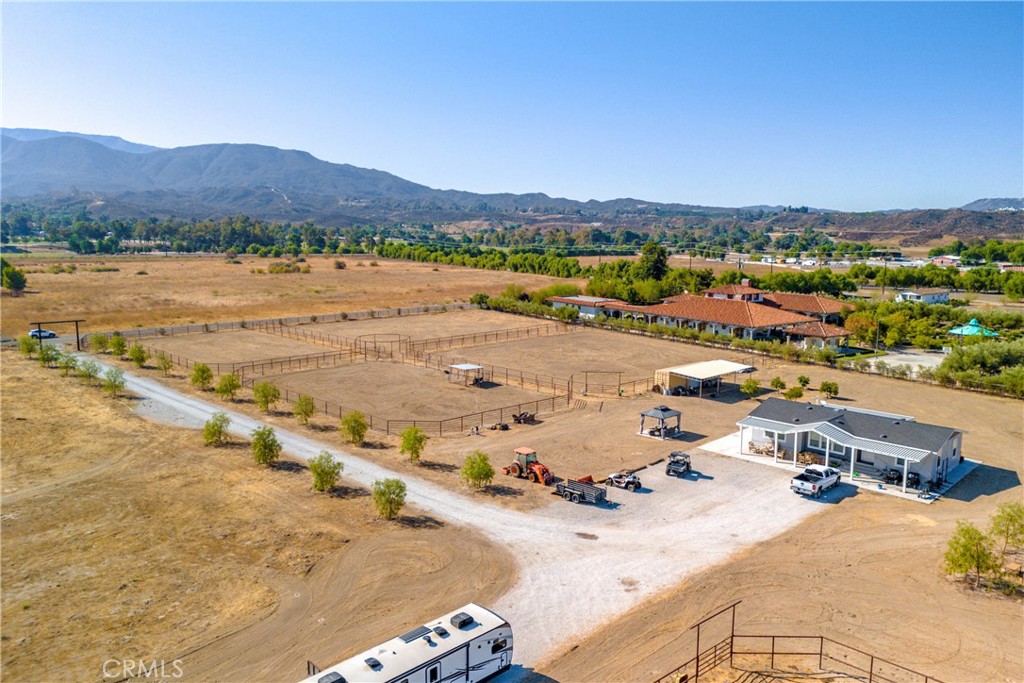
x,y
469,645
581,491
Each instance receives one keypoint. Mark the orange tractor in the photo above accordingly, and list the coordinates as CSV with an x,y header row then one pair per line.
x,y
526,466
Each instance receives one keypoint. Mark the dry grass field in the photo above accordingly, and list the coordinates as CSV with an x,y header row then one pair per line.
x,y
164,291
126,540
867,571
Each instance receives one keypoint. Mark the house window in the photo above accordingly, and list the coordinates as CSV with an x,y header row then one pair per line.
x,y
900,462
815,440
769,435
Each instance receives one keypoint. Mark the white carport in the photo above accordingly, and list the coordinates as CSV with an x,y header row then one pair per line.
x,y
696,375
468,373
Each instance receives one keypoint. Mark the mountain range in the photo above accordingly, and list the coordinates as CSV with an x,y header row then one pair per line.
x,y
203,181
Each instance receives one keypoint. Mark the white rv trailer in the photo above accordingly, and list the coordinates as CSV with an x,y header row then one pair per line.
x,y
469,645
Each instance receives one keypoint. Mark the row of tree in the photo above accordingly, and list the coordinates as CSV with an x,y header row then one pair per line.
x,y
989,279
971,550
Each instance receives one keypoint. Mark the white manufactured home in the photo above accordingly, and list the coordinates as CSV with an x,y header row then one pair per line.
x,y
469,645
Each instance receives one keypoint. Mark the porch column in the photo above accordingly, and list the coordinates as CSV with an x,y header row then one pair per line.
x,y
906,463
828,447
853,458
775,453
741,440
796,445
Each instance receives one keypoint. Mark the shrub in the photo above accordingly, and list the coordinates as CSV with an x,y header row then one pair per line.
x,y
49,355
778,384
265,446
67,362
477,470
793,393
99,342
354,426
113,381
413,441
118,346
339,264
830,389
303,409
479,299
164,363
228,386
388,497
138,355
202,376
89,370
325,469
27,345
266,395
804,380
969,550
1008,525
750,387
215,431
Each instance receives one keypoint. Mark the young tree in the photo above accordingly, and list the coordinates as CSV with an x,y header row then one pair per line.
x,y
388,497
969,550
479,299
303,409
228,386
215,431
353,426
265,446
99,342
118,346
68,363
325,469
48,354
164,363
202,376
266,395
1008,526
14,280
778,384
89,370
830,389
793,393
750,387
413,441
27,345
138,355
113,381
804,380
477,470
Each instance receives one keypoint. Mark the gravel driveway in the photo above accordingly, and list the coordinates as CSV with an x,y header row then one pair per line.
x,y
579,565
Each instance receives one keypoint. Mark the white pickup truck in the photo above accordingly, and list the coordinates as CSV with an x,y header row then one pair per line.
x,y
814,480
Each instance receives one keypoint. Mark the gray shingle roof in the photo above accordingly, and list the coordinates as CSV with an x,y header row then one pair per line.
x,y
875,427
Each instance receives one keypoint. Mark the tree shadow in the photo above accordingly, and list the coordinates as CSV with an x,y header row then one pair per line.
x,y
374,445
347,492
502,490
288,466
420,522
437,466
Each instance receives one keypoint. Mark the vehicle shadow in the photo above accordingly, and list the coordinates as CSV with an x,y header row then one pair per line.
x,y
836,495
697,475
523,674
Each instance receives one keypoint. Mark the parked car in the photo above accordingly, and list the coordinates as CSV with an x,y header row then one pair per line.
x,y
815,480
624,480
38,333
678,464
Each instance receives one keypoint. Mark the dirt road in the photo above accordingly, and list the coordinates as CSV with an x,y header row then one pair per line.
x,y
579,566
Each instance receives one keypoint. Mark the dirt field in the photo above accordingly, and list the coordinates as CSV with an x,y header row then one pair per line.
x,y
234,346
163,291
431,326
126,540
398,391
563,356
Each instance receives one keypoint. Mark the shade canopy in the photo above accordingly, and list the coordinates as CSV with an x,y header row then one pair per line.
x,y
709,369
973,329
661,413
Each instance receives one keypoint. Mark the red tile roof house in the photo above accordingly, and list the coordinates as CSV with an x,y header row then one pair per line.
x,y
825,308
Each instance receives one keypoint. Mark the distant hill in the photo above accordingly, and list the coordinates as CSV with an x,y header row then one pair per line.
x,y
113,142
122,179
995,205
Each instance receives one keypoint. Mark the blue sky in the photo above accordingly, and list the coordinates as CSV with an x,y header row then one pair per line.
x,y
852,106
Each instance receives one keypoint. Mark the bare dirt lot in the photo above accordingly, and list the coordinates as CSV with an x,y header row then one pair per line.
x,y
164,291
431,326
234,346
126,540
398,391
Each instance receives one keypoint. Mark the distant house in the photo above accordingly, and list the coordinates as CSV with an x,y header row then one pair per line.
x,y
586,305
733,317
931,295
945,261
742,292
852,439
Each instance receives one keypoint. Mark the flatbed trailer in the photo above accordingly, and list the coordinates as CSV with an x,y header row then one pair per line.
x,y
581,491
